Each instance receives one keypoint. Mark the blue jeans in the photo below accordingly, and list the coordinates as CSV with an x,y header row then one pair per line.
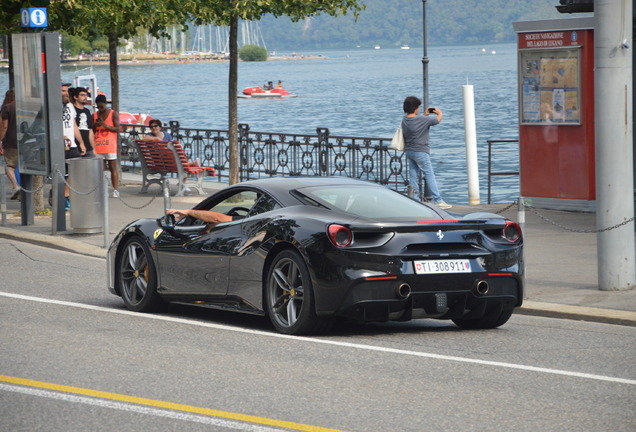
x,y
422,161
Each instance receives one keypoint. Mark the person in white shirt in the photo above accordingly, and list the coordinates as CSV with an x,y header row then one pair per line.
x,y
73,142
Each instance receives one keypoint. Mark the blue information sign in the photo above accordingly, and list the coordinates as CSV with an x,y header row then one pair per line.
x,y
34,17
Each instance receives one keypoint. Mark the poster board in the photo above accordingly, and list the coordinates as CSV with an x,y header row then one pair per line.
x,y
550,86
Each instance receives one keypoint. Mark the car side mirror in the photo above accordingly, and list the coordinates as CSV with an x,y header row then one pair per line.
x,y
166,221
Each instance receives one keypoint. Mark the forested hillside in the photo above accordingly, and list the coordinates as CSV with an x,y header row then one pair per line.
x,y
392,23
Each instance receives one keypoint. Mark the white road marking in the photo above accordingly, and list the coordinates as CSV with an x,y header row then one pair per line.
x,y
175,415
330,342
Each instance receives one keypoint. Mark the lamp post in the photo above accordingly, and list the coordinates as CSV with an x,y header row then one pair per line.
x,y
424,58
427,191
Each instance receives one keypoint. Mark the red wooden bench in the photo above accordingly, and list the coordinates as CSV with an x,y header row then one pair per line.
x,y
166,157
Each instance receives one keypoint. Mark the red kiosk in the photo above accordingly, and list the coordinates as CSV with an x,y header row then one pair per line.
x,y
556,113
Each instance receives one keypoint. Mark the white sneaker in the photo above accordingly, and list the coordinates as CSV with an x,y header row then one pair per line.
x,y
443,205
187,190
115,193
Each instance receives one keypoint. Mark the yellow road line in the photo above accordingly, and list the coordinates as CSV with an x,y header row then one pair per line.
x,y
166,405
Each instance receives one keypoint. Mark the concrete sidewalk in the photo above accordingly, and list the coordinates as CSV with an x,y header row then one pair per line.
x,y
561,265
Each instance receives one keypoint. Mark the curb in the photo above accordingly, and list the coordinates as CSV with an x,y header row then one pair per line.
x,y
59,242
581,313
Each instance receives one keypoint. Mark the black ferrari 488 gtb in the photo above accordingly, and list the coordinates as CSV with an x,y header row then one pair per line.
x,y
303,251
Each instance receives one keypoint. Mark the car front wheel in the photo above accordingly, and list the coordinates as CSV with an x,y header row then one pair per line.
x,y
289,296
137,277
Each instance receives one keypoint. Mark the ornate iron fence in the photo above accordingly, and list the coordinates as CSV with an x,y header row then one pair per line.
x,y
269,154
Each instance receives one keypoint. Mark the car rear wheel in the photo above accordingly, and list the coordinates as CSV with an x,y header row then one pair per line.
x,y
494,317
289,296
138,277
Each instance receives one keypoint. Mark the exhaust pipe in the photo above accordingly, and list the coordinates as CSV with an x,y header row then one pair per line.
x,y
481,287
403,290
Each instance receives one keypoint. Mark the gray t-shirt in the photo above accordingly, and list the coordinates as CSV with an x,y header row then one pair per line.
x,y
415,131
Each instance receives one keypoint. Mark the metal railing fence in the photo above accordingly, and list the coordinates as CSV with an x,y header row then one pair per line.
x,y
269,154
492,173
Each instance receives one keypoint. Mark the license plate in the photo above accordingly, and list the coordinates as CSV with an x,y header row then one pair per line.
x,y
442,266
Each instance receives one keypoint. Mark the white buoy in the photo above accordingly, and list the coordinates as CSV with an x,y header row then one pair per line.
x,y
471,145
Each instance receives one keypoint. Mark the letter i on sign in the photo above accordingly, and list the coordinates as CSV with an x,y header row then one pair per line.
x,y
38,17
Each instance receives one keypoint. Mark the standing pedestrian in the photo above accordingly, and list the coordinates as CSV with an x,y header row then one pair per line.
x,y
73,142
415,129
106,127
8,140
83,118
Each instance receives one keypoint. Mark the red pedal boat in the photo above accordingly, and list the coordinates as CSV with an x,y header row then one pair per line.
x,y
260,92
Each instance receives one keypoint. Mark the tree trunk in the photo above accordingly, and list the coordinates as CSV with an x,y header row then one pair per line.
x,y
114,70
232,102
114,88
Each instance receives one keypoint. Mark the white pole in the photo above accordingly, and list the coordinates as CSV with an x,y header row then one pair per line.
x,y
471,145
166,193
614,144
106,210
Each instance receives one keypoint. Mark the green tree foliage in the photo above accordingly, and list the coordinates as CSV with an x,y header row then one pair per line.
x,y
75,45
252,53
100,44
398,22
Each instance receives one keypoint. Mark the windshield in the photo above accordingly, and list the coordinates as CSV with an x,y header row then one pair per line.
x,y
371,202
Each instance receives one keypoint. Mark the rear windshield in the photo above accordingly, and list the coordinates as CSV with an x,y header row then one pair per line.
x,y
371,202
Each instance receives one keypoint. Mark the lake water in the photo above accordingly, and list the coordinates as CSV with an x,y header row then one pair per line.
x,y
354,93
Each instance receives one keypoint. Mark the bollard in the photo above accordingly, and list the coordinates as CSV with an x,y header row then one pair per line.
x,y
106,210
471,145
521,211
166,194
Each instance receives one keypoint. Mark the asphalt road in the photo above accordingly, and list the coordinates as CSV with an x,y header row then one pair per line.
x,y
73,359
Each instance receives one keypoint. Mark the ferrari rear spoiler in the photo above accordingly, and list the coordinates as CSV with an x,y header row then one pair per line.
x,y
431,225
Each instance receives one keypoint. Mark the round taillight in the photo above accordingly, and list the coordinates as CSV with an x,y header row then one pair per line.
x,y
339,235
512,232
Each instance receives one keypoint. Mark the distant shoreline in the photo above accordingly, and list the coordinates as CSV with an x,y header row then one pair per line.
x,y
4,64
143,61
